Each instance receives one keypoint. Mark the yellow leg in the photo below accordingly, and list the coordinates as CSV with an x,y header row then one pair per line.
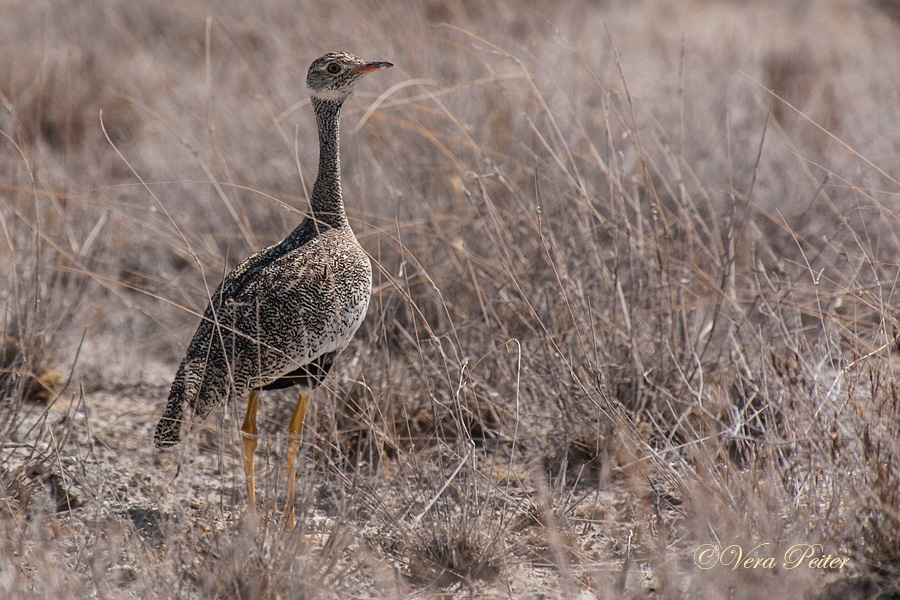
x,y
250,438
294,440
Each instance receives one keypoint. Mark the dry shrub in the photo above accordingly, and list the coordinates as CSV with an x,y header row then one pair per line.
x,y
627,301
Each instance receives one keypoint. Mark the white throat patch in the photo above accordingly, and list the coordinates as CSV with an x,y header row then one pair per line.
x,y
328,95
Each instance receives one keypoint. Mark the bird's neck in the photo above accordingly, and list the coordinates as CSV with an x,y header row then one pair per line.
x,y
327,203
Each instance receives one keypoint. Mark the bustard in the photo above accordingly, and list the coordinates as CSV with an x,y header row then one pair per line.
x,y
282,315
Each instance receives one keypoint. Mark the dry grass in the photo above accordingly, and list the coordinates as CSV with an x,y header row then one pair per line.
x,y
636,270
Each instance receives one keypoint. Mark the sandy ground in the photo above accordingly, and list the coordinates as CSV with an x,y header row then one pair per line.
x,y
104,472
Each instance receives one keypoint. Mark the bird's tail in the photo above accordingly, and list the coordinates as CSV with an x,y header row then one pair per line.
x,y
168,430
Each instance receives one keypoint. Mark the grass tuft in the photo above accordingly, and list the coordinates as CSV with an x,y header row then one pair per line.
x,y
635,294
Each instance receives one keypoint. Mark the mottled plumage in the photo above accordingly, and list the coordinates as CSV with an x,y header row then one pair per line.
x,y
283,314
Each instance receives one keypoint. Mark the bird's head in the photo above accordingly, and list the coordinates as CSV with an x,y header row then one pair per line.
x,y
333,76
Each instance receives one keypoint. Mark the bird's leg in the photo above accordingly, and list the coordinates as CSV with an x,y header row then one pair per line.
x,y
294,440
250,438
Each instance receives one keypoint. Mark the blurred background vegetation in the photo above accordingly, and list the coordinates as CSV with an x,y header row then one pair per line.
x,y
636,274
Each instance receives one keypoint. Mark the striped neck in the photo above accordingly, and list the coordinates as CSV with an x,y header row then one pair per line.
x,y
327,203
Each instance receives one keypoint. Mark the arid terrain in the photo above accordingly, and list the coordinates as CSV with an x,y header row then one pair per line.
x,y
633,326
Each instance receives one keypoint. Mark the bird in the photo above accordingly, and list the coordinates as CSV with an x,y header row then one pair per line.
x,y
282,316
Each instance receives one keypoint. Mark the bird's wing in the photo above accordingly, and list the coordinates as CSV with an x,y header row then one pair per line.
x,y
288,312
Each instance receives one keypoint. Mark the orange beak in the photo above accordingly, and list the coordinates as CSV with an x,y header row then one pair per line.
x,y
369,67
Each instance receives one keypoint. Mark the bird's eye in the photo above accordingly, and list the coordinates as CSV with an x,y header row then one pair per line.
x,y
333,68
